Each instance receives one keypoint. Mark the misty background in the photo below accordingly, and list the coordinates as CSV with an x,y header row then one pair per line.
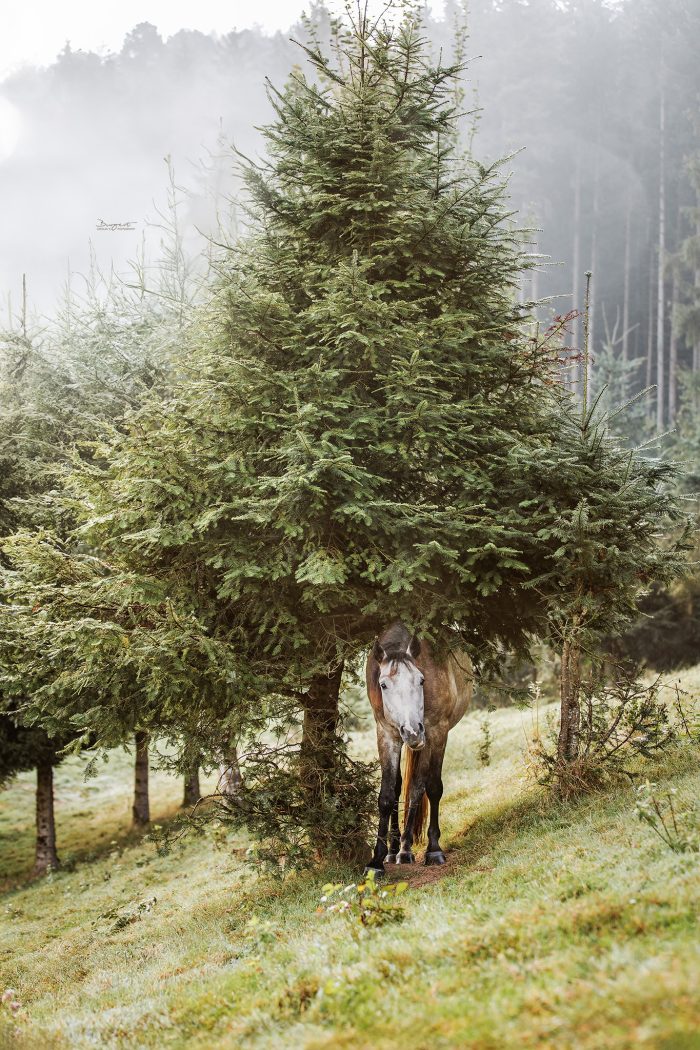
x,y
594,104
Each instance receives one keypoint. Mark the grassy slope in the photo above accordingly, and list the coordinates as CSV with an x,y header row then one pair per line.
x,y
551,926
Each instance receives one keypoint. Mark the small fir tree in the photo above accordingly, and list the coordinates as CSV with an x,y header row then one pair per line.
x,y
613,526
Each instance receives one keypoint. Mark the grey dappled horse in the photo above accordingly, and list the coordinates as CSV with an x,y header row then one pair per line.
x,y
416,700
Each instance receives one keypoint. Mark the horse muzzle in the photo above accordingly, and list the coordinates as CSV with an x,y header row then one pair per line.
x,y
415,739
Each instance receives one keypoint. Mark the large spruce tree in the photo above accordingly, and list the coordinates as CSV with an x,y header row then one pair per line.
x,y
340,450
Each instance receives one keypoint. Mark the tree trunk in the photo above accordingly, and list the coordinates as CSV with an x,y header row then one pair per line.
x,y
590,356
141,809
660,287
317,769
46,856
650,331
570,686
534,289
576,275
319,740
696,337
230,776
626,292
673,355
192,792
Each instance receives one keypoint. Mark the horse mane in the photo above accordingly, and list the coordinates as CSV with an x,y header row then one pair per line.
x,y
422,814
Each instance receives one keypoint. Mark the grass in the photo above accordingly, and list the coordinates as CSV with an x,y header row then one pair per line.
x,y
551,926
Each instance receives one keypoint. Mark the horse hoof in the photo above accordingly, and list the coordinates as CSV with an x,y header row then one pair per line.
x,y
406,858
390,858
372,870
436,857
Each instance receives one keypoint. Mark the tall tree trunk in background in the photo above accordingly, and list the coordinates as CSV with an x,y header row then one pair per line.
x,y
590,359
660,287
534,280
626,288
696,338
141,809
673,353
650,329
576,272
46,856
192,792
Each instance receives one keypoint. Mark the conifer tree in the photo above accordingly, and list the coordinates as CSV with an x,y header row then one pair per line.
x,y
339,451
64,384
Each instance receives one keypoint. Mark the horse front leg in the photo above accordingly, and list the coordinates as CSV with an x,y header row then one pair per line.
x,y
433,789
390,759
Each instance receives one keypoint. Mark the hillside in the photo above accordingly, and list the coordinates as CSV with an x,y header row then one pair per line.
x,y
550,926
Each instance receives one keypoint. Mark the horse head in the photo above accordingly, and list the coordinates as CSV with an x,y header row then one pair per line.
x,y
401,682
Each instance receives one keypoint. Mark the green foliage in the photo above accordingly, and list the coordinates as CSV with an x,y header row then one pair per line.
x,y
614,382
103,651
687,717
341,446
347,428
24,746
365,906
685,441
679,829
602,515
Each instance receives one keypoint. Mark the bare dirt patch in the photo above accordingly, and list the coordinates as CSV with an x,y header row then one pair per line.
x,y
417,875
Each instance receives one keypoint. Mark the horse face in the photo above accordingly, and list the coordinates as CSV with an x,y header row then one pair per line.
x,y
401,683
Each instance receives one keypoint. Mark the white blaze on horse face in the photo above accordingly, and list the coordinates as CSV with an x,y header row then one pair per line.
x,y
401,684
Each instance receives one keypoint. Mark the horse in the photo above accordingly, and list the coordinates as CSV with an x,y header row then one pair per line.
x,y
416,700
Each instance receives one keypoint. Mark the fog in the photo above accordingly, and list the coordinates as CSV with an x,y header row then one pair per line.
x,y
85,131
594,122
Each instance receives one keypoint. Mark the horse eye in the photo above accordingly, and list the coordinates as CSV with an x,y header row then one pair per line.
x,y
382,685
422,681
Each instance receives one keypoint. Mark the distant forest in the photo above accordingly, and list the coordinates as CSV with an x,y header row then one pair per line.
x,y
594,105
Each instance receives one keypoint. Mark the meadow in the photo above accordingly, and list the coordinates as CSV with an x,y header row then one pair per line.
x,y
553,925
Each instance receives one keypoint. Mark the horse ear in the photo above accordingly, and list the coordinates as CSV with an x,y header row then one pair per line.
x,y
378,653
414,647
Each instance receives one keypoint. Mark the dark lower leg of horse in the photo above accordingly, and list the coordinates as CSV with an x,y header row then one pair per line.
x,y
381,849
433,854
395,836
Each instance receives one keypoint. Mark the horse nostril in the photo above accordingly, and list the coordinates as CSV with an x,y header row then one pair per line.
x,y
421,727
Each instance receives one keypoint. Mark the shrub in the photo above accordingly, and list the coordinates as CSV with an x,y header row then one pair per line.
x,y
621,721
678,829
485,740
366,905
294,823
